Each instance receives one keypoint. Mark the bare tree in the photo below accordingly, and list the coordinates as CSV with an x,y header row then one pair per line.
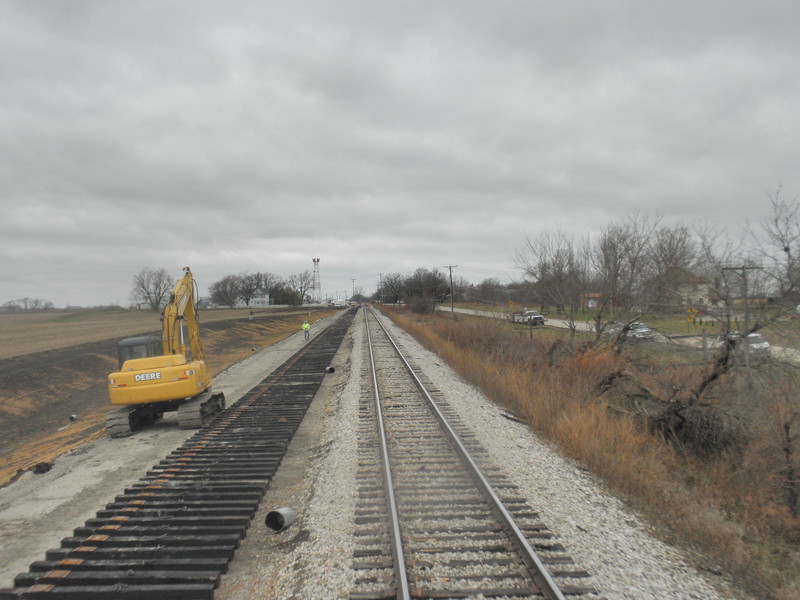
x,y
225,291
269,282
719,259
621,259
460,288
151,287
673,255
301,283
738,278
621,267
782,251
490,290
558,271
248,285
673,248
426,283
393,287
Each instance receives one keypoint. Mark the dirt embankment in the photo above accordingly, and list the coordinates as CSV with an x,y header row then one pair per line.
x,y
54,397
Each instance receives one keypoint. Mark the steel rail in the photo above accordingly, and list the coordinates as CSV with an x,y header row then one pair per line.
x,y
403,587
539,571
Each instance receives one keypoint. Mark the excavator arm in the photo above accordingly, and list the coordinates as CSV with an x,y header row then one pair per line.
x,y
182,308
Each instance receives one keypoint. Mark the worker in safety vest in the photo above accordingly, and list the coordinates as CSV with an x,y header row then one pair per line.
x,y
306,329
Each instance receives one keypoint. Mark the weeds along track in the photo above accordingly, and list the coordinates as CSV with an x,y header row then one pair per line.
x,y
431,522
172,534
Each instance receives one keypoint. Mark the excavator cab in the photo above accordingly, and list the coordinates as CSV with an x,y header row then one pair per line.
x,y
143,346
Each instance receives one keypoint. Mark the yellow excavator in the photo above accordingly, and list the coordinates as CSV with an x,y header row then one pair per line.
x,y
159,375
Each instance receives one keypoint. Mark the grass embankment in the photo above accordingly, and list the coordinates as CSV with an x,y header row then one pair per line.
x,y
728,506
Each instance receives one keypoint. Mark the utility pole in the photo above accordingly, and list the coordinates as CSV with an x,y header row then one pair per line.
x,y
354,290
742,272
451,267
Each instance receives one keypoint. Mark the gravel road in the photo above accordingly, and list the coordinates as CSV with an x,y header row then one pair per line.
x,y
310,558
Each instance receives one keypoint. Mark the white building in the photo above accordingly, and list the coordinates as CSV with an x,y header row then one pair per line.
x,y
259,300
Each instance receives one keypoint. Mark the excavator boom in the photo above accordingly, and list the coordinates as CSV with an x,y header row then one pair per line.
x,y
181,309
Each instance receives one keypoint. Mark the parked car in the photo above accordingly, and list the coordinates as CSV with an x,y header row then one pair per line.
x,y
637,332
758,348
530,317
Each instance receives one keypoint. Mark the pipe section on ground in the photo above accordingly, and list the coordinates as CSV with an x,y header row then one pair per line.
x,y
279,519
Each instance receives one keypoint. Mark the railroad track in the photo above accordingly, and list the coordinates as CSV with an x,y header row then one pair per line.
x,y
172,534
434,518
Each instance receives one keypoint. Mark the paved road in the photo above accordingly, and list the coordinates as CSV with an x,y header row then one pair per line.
x,y
790,355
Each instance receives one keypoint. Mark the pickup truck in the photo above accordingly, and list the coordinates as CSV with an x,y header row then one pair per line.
x,y
529,317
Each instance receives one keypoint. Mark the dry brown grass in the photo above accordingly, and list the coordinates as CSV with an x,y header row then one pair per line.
x,y
719,506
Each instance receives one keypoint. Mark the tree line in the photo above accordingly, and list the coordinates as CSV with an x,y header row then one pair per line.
x,y
152,287
233,289
638,265
423,283
433,285
632,266
27,304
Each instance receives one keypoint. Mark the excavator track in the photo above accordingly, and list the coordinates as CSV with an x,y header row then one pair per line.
x,y
192,414
118,423
126,420
197,412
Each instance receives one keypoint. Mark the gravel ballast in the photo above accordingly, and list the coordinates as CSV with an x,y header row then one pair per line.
x,y
314,555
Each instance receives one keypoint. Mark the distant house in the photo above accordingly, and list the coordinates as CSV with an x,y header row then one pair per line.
x,y
591,300
259,300
679,286
676,287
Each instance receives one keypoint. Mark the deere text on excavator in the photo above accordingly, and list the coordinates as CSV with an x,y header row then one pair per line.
x,y
159,375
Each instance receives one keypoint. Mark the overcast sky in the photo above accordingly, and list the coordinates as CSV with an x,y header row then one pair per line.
x,y
378,136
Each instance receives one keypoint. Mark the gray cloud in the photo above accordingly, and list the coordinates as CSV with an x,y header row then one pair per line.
x,y
381,138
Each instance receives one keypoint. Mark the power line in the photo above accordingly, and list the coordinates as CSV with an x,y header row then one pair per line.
x,y
482,270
